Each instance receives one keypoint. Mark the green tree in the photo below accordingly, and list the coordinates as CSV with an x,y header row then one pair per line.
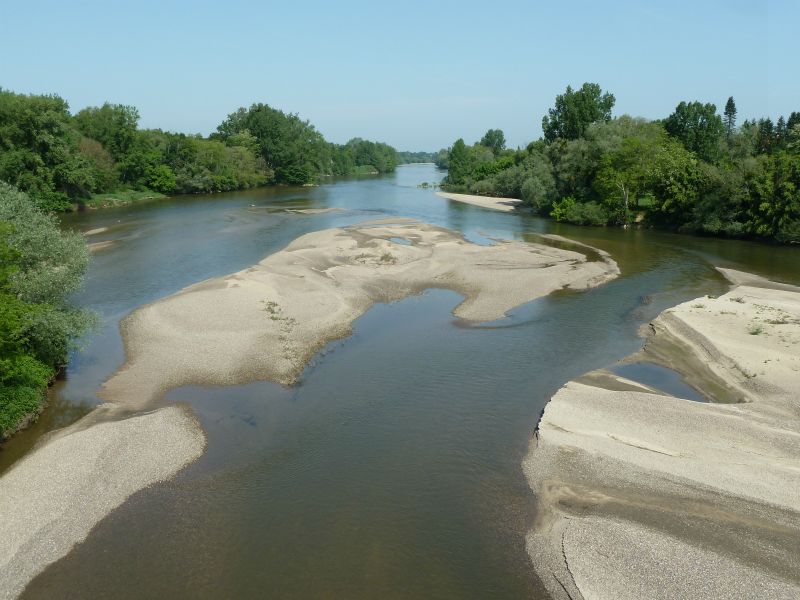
x,y
49,268
730,117
698,127
495,140
459,164
39,150
290,146
39,268
113,125
574,111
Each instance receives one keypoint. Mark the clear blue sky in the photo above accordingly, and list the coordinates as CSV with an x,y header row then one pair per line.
x,y
417,75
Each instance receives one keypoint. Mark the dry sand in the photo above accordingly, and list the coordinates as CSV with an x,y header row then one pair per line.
x,y
51,499
265,322
504,204
644,495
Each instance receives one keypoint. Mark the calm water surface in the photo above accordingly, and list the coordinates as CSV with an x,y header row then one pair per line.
x,y
392,469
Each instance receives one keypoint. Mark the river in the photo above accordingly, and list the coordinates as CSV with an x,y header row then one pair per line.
x,y
392,469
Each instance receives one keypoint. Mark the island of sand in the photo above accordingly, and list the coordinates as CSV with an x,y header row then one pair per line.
x,y
262,323
267,321
645,495
503,204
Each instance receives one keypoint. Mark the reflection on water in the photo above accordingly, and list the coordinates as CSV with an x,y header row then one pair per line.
x,y
393,468
660,378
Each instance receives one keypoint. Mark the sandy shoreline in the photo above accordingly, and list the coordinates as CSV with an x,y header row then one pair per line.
x,y
264,322
644,495
51,499
503,204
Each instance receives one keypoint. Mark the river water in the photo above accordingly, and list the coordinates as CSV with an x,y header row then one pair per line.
x,y
392,470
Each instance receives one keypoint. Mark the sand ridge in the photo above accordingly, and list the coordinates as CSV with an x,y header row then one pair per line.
x,y
703,499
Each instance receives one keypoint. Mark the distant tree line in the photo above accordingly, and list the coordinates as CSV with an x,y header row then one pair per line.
x,y
407,158
60,160
694,171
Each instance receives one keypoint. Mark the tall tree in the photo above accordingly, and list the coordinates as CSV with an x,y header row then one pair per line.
x,y
459,164
574,111
780,132
730,117
495,140
698,127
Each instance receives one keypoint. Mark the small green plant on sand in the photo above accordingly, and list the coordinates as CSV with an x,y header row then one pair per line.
x,y
755,329
272,309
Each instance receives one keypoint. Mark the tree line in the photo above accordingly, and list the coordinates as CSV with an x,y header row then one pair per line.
x,y
407,158
695,170
61,160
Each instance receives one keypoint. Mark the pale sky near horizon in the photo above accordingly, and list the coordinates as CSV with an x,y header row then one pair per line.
x,y
417,75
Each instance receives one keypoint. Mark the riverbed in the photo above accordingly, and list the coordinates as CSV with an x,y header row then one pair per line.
x,y
393,468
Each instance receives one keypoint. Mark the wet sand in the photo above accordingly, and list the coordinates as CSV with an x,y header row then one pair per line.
x,y
504,204
645,495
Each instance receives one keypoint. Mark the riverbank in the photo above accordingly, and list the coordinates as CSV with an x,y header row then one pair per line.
x,y
645,495
267,321
503,204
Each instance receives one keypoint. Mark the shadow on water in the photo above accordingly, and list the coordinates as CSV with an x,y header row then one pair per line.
x,y
393,468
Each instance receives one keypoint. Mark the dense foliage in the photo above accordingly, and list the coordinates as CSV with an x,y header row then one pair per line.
x,y
693,171
61,160
39,268
407,158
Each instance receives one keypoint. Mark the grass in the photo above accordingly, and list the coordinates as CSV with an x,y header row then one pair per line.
x,y
120,198
738,299
755,329
779,321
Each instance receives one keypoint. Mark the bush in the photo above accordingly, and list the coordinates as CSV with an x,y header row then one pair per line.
x,y
536,195
39,268
570,211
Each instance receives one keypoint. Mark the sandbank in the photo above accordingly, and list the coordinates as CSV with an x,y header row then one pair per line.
x,y
267,321
51,498
644,495
504,204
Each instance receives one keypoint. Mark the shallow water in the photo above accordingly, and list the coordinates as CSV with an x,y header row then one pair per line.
x,y
393,468
660,378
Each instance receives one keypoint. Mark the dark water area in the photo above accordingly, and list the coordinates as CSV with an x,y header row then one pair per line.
x,y
393,468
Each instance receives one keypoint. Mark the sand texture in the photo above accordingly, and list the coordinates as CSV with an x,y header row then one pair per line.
x,y
51,499
644,495
504,204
